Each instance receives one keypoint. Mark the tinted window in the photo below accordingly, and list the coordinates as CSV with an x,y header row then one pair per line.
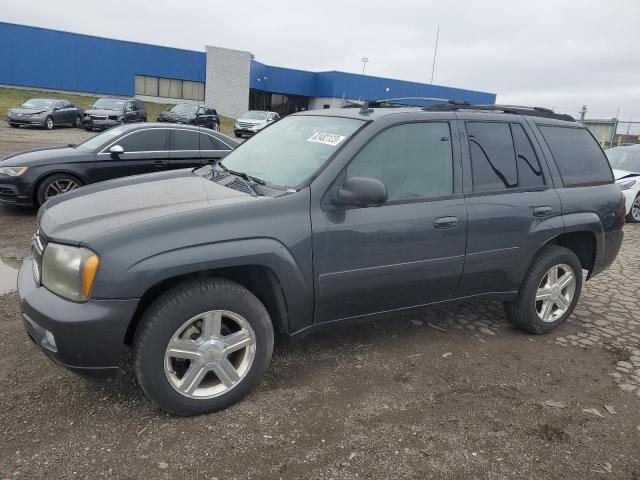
x,y
412,160
492,156
578,156
152,140
207,142
185,140
529,171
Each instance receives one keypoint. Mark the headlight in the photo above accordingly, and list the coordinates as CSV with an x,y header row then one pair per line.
x,y
626,184
12,171
69,271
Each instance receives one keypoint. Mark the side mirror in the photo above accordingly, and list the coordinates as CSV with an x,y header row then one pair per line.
x,y
116,151
362,192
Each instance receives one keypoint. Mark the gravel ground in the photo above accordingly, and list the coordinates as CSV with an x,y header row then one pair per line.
x,y
444,393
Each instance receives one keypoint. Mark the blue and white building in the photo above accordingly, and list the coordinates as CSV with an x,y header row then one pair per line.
x,y
231,80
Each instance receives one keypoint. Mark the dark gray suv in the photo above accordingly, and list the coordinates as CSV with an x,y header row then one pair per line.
x,y
323,218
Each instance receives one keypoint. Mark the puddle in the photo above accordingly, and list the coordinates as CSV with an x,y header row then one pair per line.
x,y
8,274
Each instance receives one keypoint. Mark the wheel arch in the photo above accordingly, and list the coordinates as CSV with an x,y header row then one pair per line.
x,y
583,243
260,280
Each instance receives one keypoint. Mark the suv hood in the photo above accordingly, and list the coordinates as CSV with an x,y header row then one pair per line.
x,y
43,156
175,116
84,213
619,174
100,111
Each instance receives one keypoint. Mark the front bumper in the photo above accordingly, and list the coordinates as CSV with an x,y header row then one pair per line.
x,y
15,191
89,337
88,122
37,121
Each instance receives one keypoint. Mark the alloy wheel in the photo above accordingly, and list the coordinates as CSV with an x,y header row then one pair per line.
x,y
59,187
555,292
49,123
210,354
635,209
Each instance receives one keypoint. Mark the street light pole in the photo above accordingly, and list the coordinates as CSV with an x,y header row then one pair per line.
x,y
364,61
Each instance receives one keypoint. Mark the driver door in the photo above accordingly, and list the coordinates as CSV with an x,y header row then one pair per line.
x,y
408,252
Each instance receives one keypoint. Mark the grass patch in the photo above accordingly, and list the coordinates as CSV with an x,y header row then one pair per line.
x,y
12,97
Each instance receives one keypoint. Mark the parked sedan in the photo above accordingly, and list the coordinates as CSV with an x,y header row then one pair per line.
x,y
32,177
45,112
207,116
625,162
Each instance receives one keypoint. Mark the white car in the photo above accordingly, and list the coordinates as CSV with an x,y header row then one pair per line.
x,y
625,162
253,121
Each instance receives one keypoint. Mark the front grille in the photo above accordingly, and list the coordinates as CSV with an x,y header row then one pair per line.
x,y
37,249
245,124
113,117
98,117
7,193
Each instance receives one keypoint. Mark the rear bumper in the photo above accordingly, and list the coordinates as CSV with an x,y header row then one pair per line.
x,y
99,123
612,244
88,337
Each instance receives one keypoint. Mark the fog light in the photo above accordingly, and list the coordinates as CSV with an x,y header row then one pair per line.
x,y
50,338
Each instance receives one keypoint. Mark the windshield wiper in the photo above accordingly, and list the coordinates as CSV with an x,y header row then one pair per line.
x,y
251,181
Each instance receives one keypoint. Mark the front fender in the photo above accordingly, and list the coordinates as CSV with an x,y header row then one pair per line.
x,y
264,252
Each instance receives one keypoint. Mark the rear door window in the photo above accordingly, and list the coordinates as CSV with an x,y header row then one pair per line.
x,y
529,171
185,140
492,156
577,155
208,142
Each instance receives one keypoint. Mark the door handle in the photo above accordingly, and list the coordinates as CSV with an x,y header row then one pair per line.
x,y
542,211
445,222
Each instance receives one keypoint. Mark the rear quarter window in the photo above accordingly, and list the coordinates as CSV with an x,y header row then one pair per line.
x,y
577,155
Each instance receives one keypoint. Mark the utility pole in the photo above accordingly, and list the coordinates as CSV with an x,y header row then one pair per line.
x,y
435,52
583,112
364,61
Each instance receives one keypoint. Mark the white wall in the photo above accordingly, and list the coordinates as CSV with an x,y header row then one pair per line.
x,y
317,103
227,87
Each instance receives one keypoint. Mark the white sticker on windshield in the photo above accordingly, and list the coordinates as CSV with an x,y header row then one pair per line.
x,y
332,139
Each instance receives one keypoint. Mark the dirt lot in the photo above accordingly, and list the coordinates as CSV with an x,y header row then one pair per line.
x,y
446,393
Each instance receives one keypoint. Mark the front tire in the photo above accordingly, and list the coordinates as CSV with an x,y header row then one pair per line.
x,y
55,185
549,292
634,213
202,346
14,125
77,122
48,123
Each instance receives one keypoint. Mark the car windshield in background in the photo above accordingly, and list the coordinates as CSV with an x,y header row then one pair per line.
x,y
184,109
38,103
624,158
255,116
99,140
109,104
290,151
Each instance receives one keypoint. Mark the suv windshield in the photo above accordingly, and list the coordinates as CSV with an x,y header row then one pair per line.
x,y
255,115
38,103
95,142
109,104
624,158
291,150
184,108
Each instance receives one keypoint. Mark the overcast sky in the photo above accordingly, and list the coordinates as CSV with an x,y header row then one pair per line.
x,y
561,54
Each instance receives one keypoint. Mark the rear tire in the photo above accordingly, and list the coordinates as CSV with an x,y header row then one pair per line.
x,y
179,315
14,125
77,122
238,135
535,309
634,213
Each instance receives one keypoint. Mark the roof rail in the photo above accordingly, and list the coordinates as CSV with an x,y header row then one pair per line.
x,y
514,109
399,100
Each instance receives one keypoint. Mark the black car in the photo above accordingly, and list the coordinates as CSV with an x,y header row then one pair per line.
x,y
206,116
32,177
109,112
324,218
45,112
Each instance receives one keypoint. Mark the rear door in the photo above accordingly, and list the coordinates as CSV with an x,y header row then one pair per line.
x,y
145,151
407,252
512,205
184,148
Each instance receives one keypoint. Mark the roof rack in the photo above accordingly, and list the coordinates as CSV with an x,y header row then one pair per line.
x,y
514,109
388,102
